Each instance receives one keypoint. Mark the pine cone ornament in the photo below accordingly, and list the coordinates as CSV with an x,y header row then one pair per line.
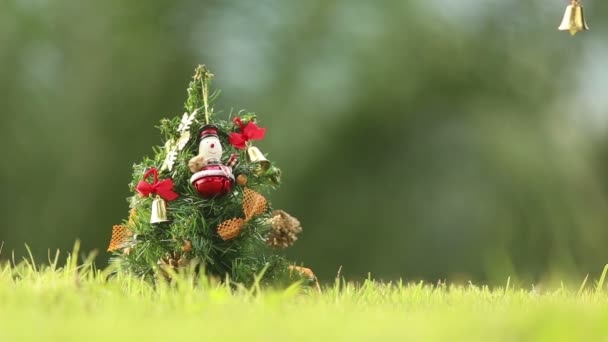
x,y
284,229
174,261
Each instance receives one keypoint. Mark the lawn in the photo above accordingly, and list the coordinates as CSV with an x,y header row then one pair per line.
x,y
78,303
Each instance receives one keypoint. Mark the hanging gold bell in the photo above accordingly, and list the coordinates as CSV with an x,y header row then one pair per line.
x,y
574,20
254,155
159,211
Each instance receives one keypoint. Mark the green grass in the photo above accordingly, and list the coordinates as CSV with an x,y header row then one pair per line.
x,y
77,303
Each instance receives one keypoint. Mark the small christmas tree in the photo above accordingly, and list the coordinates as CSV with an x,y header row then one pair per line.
x,y
197,201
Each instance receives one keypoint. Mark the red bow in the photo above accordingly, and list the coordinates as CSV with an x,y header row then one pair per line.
x,y
249,132
163,188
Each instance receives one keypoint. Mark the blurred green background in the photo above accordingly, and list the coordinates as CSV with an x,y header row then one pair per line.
x,y
443,139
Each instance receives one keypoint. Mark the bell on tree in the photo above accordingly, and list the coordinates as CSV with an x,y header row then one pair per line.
x,y
163,190
211,178
574,20
159,211
254,155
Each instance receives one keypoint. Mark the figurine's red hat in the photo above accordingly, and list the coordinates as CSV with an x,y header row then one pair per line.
x,y
208,130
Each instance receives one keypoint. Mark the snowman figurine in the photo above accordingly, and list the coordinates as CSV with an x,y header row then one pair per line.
x,y
211,178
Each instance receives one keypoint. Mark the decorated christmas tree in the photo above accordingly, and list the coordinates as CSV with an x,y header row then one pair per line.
x,y
198,201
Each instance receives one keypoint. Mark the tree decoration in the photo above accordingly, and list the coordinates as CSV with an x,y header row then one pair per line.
x,y
193,168
285,229
171,155
120,237
163,190
254,155
254,204
174,261
184,125
574,19
172,147
211,177
251,131
132,217
241,180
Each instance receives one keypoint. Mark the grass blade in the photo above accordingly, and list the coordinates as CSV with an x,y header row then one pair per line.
x,y
600,283
582,287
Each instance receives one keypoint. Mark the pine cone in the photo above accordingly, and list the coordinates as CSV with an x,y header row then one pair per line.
x,y
284,229
174,261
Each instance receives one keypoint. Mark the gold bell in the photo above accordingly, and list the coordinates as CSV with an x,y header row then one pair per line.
x,y
254,155
159,211
574,20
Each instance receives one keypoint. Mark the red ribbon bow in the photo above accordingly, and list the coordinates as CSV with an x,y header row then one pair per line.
x,y
249,132
163,188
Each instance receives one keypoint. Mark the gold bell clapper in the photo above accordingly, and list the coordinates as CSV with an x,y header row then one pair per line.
x,y
159,211
574,19
254,155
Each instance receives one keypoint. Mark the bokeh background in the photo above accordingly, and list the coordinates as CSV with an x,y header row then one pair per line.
x,y
444,139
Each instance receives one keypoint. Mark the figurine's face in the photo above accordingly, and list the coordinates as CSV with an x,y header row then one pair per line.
x,y
210,147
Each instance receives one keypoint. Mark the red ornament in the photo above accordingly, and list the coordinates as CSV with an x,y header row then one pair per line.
x,y
164,188
249,132
212,180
